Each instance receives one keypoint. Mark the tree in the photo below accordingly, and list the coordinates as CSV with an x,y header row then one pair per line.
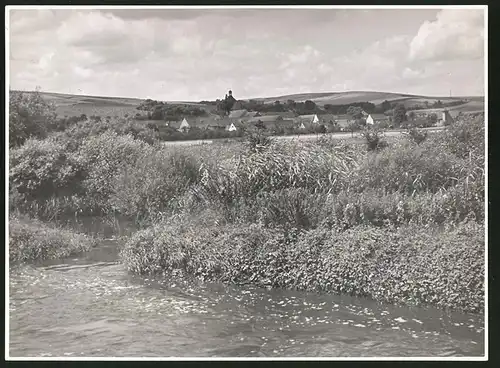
x,y
386,105
353,126
399,114
29,116
355,111
260,125
411,115
309,105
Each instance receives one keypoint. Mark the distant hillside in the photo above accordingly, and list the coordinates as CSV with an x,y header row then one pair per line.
x,y
75,105
344,98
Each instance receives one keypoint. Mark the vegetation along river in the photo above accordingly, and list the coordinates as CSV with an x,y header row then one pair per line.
x,y
90,306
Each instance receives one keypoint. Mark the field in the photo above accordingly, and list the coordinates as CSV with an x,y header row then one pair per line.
x,y
75,105
473,106
343,98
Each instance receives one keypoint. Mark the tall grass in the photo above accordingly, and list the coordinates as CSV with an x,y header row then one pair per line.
x,y
412,265
31,240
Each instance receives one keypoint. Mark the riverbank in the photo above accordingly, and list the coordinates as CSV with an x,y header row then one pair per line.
x,y
412,265
31,240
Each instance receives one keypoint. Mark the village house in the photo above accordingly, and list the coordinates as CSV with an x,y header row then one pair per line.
x,y
181,126
446,117
234,126
308,119
376,118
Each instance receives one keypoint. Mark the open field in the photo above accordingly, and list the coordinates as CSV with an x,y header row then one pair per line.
x,y
472,106
343,98
75,105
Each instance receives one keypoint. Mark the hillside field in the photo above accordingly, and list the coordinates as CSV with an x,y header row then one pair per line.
x,y
75,105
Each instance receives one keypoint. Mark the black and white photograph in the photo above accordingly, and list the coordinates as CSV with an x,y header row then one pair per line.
x,y
246,182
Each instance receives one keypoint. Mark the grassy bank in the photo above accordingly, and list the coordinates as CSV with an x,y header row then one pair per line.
x,y
410,265
399,221
31,240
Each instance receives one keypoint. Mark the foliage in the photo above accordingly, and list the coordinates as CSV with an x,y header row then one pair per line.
x,y
31,240
29,116
374,138
416,135
257,142
411,265
40,169
407,169
399,114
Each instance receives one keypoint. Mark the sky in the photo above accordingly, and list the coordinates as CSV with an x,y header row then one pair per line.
x,y
199,54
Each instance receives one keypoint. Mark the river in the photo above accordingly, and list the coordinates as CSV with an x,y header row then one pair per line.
x,y
89,306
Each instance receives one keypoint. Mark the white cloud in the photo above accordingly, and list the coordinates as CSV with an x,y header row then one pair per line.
x,y
187,55
455,34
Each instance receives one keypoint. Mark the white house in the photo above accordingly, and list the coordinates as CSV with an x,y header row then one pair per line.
x,y
376,118
184,125
181,127
311,119
231,127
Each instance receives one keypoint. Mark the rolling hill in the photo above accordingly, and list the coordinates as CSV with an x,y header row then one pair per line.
x,y
344,98
75,105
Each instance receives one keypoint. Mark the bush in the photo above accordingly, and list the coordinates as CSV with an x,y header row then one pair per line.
x,y
416,135
411,265
31,240
409,169
373,138
29,116
257,142
152,183
103,157
43,168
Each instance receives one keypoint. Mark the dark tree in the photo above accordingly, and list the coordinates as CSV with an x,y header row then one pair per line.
x,y
399,114
310,105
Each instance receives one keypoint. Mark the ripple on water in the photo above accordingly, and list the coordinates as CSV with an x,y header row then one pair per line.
x,y
78,309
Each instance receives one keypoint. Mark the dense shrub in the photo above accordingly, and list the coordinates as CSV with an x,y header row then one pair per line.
x,y
29,116
104,156
408,169
40,169
412,265
464,138
92,127
276,168
31,240
373,138
257,142
416,135
152,183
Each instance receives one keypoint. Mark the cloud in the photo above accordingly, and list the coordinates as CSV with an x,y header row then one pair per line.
x,y
195,55
455,34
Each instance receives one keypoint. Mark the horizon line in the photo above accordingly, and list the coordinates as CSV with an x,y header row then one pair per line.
x,y
403,94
